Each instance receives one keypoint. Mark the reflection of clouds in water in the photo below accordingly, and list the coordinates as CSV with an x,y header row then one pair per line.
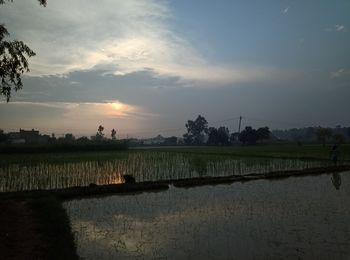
x,y
297,217
158,233
132,238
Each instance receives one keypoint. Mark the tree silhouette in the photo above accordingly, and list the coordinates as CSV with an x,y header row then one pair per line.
x,y
113,134
220,136
13,60
99,135
348,132
69,137
251,136
100,131
248,136
196,131
3,136
263,133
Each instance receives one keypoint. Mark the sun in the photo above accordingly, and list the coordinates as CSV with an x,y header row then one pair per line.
x,y
117,106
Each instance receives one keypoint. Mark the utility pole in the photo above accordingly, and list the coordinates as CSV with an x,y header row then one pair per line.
x,y
239,126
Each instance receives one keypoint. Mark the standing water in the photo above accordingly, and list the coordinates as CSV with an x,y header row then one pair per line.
x,y
304,217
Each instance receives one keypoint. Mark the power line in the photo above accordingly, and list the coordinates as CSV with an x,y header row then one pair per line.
x,y
272,121
226,120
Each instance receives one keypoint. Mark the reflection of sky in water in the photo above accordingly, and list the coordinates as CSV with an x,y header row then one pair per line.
x,y
306,217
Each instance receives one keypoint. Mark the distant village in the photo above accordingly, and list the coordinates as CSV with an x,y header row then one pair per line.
x,y
213,136
33,136
27,136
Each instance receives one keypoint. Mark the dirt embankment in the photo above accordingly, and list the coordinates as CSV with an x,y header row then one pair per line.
x,y
20,232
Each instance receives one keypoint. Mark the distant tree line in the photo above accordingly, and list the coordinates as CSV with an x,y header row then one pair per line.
x,y
198,133
317,134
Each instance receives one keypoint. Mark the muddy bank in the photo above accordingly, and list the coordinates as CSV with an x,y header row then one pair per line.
x,y
20,236
35,229
87,191
256,176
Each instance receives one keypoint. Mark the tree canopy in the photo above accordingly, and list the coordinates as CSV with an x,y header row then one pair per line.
x,y
196,131
13,60
251,136
114,134
218,136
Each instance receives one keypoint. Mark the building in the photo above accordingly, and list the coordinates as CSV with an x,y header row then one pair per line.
x,y
27,136
15,138
30,136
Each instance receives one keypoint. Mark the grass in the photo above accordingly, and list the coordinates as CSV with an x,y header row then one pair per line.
x,y
67,157
269,151
61,170
62,147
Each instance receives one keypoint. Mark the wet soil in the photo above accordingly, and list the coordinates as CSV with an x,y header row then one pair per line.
x,y
20,232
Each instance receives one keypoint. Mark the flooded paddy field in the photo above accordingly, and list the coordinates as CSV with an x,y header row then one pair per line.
x,y
304,217
52,173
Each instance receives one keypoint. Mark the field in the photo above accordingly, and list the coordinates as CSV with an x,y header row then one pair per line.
x,y
20,172
271,151
148,225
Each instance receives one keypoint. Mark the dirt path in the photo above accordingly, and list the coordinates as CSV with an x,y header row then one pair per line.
x,y
20,232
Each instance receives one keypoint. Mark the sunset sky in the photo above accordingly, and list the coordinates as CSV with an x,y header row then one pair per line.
x,y
144,67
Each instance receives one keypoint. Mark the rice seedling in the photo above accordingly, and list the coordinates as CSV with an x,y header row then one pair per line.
x,y
143,166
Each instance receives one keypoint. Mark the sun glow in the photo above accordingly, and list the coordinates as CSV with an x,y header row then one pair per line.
x,y
117,106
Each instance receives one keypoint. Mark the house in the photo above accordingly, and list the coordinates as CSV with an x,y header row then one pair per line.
x,y
30,136
15,138
27,136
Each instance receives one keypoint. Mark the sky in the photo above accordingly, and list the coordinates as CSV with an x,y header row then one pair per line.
x,y
145,67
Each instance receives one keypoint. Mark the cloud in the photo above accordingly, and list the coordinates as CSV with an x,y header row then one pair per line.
x,y
90,110
337,28
285,10
123,36
77,117
340,28
339,73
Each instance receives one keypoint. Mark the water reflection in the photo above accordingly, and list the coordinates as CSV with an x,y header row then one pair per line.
x,y
336,180
292,218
